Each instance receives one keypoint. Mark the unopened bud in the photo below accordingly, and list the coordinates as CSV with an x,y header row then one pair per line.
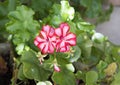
x,y
56,68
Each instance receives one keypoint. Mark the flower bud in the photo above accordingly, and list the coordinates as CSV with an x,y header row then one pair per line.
x,y
56,68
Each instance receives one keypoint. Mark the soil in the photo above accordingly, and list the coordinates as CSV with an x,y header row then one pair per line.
x,y
6,67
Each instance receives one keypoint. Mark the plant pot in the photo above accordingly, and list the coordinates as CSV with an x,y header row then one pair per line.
x,y
114,2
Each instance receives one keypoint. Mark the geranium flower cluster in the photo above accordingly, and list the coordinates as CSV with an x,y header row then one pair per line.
x,y
55,39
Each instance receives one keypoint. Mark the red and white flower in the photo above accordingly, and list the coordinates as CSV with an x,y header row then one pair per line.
x,y
65,39
60,38
46,40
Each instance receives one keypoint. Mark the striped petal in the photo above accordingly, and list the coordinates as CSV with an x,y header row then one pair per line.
x,y
71,42
63,49
45,49
46,29
62,44
43,34
54,44
63,24
51,32
39,39
58,46
53,38
70,36
65,30
67,48
51,48
41,46
58,32
36,42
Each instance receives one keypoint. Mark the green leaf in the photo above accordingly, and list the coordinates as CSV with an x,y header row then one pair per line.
x,y
23,16
91,77
3,9
3,20
55,9
116,80
101,67
64,77
85,26
14,26
56,20
62,58
12,5
116,53
32,68
21,24
21,76
22,13
85,44
41,7
72,27
70,67
20,48
76,55
80,75
93,7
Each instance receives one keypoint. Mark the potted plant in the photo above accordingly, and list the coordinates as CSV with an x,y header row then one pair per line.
x,y
58,47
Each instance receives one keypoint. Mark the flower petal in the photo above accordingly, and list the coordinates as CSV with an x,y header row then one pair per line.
x,y
53,38
67,48
46,29
71,42
63,24
54,44
41,46
62,44
63,49
70,36
45,49
43,34
58,32
36,42
39,39
57,48
51,32
51,48
65,30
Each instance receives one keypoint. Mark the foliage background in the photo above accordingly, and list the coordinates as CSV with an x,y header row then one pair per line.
x,y
20,22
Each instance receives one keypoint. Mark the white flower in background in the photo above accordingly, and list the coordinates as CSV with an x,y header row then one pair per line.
x,y
98,37
67,12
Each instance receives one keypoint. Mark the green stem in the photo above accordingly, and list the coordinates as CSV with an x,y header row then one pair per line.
x,y
55,60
